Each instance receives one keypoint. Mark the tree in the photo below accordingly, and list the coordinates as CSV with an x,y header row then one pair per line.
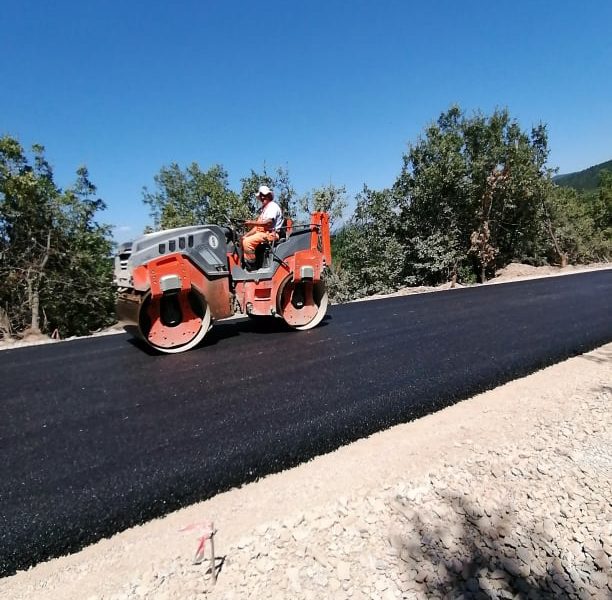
x,y
368,256
480,239
42,230
450,204
600,209
580,223
79,294
279,182
28,200
191,196
328,198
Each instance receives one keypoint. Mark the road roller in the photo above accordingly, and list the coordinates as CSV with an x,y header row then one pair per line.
x,y
173,285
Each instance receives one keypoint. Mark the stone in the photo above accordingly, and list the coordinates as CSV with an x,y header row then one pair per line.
x,y
549,528
415,551
381,585
455,565
603,562
293,575
599,579
245,542
473,584
284,537
396,540
524,554
587,592
498,574
264,564
561,580
421,575
320,556
516,567
324,524
497,471
300,534
343,570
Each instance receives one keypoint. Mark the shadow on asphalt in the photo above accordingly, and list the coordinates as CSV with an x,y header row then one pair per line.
x,y
219,332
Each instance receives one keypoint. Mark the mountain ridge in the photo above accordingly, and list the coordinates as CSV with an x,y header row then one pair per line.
x,y
585,180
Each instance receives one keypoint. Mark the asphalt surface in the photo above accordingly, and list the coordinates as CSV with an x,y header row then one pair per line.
x,y
97,435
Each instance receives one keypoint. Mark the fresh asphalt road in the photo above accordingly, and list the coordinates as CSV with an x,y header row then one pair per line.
x,y
97,434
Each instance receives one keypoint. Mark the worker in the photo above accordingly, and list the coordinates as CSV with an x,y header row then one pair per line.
x,y
265,228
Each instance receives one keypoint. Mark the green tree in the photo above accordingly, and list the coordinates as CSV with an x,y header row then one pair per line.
x,y
601,209
192,196
328,198
28,202
368,249
453,215
55,267
78,295
580,223
279,182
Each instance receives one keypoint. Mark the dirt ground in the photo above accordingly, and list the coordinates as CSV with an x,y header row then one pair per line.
x,y
155,560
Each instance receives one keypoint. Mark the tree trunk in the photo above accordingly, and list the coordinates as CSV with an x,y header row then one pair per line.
x,y
560,254
5,324
34,278
35,304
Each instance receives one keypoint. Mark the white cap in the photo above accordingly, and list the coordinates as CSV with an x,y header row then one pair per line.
x,y
264,190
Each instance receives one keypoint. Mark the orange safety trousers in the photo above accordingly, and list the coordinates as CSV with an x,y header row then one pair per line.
x,y
250,242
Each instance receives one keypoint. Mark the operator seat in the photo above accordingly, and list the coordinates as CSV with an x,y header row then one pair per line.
x,y
263,252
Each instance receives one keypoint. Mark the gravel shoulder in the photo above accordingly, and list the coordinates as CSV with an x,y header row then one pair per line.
x,y
505,495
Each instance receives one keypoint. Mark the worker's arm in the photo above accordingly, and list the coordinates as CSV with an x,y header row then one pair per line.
x,y
254,223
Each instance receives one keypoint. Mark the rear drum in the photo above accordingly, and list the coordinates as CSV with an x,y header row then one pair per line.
x,y
302,304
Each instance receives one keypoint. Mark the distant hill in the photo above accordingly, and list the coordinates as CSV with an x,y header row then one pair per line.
x,y
583,180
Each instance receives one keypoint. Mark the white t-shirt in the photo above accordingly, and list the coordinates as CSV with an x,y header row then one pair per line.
x,y
272,211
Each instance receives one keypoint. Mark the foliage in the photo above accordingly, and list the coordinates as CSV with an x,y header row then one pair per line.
x,y
284,194
454,199
470,198
582,222
367,249
55,264
585,180
191,196
328,198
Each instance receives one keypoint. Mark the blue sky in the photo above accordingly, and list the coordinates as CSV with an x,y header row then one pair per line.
x,y
334,90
